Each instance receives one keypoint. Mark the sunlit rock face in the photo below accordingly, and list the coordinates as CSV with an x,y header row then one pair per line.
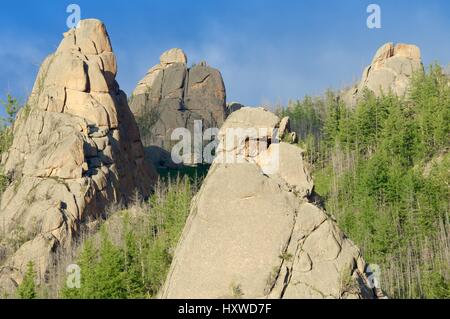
x,y
173,95
76,149
391,70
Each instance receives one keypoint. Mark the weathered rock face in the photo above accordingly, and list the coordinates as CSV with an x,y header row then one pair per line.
x,y
76,149
253,233
172,96
391,70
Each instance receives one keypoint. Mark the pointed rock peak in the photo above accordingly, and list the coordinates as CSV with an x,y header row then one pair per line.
x,y
95,31
90,37
77,142
173,56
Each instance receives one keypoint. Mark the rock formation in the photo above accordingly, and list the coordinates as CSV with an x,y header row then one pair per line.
x,y
252,231
172,96
76,150
233,107
391,70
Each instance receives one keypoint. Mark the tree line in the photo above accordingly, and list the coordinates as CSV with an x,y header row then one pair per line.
x,y
382,168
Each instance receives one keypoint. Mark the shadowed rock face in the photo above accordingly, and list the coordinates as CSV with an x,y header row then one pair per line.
x,y
233,107
391,70
76,149
173,96
253,233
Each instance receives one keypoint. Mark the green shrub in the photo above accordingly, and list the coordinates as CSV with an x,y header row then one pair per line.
x,y
27,289
370,165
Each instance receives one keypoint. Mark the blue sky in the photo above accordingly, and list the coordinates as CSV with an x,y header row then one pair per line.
x,y
268,51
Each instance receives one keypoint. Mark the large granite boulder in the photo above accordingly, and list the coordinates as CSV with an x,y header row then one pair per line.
x,y
390,71
76,150
253,232
172,96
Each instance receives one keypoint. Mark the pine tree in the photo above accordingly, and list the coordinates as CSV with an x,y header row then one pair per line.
x,y
109,271
27,289
87,262
332,122
11,106
134,253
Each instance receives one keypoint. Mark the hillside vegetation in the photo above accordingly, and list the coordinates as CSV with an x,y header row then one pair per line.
x,y
383,170
130,255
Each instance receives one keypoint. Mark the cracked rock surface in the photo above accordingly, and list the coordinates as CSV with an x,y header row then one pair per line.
x,y
172,96
390,71
252,232
76,149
